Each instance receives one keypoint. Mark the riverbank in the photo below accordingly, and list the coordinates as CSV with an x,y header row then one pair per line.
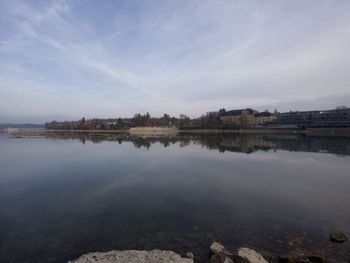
x,y
217,254
148,131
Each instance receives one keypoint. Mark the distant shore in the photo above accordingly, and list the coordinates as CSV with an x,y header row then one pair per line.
x,y
140,131
308,131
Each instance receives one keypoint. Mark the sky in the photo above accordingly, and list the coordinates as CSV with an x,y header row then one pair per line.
x,y
65,59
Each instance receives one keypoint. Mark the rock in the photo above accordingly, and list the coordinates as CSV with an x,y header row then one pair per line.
x,y
133,256
287,259
337,237
295,259
267,255
251,255
190,255
219,254
218,249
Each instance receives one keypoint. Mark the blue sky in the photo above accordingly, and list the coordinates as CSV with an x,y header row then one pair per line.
x,y
66,59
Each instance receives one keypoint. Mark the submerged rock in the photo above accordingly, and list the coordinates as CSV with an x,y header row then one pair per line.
x,y
218,249
132,256
337,237
219,254
313,259
251,255
287,259
295,259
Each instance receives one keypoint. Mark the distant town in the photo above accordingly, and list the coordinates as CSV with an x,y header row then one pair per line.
x,y
221,119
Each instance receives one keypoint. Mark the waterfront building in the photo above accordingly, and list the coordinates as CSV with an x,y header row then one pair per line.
x,y
335,118
263,118
238,118
247,118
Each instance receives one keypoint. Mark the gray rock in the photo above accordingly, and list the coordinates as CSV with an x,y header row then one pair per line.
x,y
251,255
219,254
219,250
337,237
190,255
132,256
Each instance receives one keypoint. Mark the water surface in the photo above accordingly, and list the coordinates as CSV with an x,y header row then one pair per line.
x,y
64,196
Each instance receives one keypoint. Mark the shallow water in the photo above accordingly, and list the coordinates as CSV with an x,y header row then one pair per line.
x,y
64,196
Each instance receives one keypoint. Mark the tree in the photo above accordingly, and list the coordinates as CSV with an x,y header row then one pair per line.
x,y
120,122
244,121
81,124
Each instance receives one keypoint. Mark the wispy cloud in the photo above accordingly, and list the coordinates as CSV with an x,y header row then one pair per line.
x,y
75,58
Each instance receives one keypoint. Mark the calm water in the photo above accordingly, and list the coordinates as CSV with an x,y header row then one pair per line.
x,y
61,197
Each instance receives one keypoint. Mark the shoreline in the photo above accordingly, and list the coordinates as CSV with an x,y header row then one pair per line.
x,y
173,131
217,253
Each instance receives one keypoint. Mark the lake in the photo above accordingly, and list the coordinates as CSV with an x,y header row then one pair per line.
x,y
66,195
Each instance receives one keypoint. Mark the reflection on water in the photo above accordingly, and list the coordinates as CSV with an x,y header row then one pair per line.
x,y
66,195
232,143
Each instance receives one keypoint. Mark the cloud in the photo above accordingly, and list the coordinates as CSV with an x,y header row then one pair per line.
x,y
118,58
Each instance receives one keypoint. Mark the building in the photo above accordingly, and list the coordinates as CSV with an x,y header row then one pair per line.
x,y
238,118
263,118
247,118
335,118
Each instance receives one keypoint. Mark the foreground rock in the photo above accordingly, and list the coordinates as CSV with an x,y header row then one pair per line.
x,y
219,254
337,237
133,256
251,255
218,249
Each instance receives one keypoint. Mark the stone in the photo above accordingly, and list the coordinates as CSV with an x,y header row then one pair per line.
x,y
337,237
251,255
287,259
132,256
218,249
190,255
303,259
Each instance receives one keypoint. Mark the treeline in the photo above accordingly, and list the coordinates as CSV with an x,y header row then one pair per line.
x,y
212,120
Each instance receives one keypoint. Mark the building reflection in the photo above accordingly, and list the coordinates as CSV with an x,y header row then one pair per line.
x,y
226,142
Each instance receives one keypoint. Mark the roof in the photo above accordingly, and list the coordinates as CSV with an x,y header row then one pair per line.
x,y
239,112
264,113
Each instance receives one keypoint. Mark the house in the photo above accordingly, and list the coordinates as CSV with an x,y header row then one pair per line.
x,y
238,118
263,118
